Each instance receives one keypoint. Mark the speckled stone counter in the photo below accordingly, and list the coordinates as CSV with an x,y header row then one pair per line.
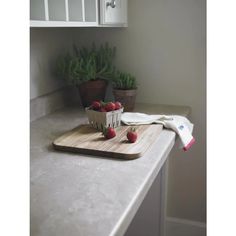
x,y
81,195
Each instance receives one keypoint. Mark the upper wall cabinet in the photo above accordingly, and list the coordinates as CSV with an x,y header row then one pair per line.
x,y
113,12
78,13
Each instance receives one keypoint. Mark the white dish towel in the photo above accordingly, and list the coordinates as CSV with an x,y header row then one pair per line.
x,y
180,124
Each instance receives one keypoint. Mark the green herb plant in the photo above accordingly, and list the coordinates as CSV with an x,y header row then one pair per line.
x,y
124,81
87,64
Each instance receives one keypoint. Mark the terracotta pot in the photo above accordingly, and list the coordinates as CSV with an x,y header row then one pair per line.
x,y
92,90
126,97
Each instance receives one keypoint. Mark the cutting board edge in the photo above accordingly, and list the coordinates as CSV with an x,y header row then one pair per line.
x,y
100,153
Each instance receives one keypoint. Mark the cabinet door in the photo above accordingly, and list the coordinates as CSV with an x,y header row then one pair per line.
x,y
91,10
83,10
37,10
75,10
57,10
113,12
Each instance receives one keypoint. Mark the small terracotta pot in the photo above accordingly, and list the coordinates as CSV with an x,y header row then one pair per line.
x,y
92,90
126,97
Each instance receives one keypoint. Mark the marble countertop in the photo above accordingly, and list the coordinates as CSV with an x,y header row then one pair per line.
x,y
81,195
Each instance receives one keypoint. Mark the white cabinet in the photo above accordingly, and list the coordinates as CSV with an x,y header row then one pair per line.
x,y
37,10
63,13
57,10
113,12
75,10
78,13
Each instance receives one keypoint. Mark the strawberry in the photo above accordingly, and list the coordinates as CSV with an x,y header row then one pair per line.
x,y
117,105
109,132
110,106
132,135
96,105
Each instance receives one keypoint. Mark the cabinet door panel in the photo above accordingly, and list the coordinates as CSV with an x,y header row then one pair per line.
x,y
57,10
90,10
75,10
113,11
37,10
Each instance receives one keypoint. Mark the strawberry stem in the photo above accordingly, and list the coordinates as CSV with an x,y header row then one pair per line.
x,y
102,103
132,129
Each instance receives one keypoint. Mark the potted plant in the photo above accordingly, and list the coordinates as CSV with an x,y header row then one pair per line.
x,y
125,90
89,70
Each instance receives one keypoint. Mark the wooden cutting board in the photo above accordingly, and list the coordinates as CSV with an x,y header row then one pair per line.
x,y
87,140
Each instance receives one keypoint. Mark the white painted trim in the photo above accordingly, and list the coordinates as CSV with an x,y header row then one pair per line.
x,y
114,26
186,222
39,23
46,10
184,227
83,11
36,23
67,10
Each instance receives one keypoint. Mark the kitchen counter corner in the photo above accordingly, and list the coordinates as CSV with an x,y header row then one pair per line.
x,y
76,194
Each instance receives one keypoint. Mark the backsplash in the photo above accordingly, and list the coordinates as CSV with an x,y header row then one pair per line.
x,y
51,102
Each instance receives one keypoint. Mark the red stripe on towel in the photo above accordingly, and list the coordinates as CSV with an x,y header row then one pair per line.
x,y
189,144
